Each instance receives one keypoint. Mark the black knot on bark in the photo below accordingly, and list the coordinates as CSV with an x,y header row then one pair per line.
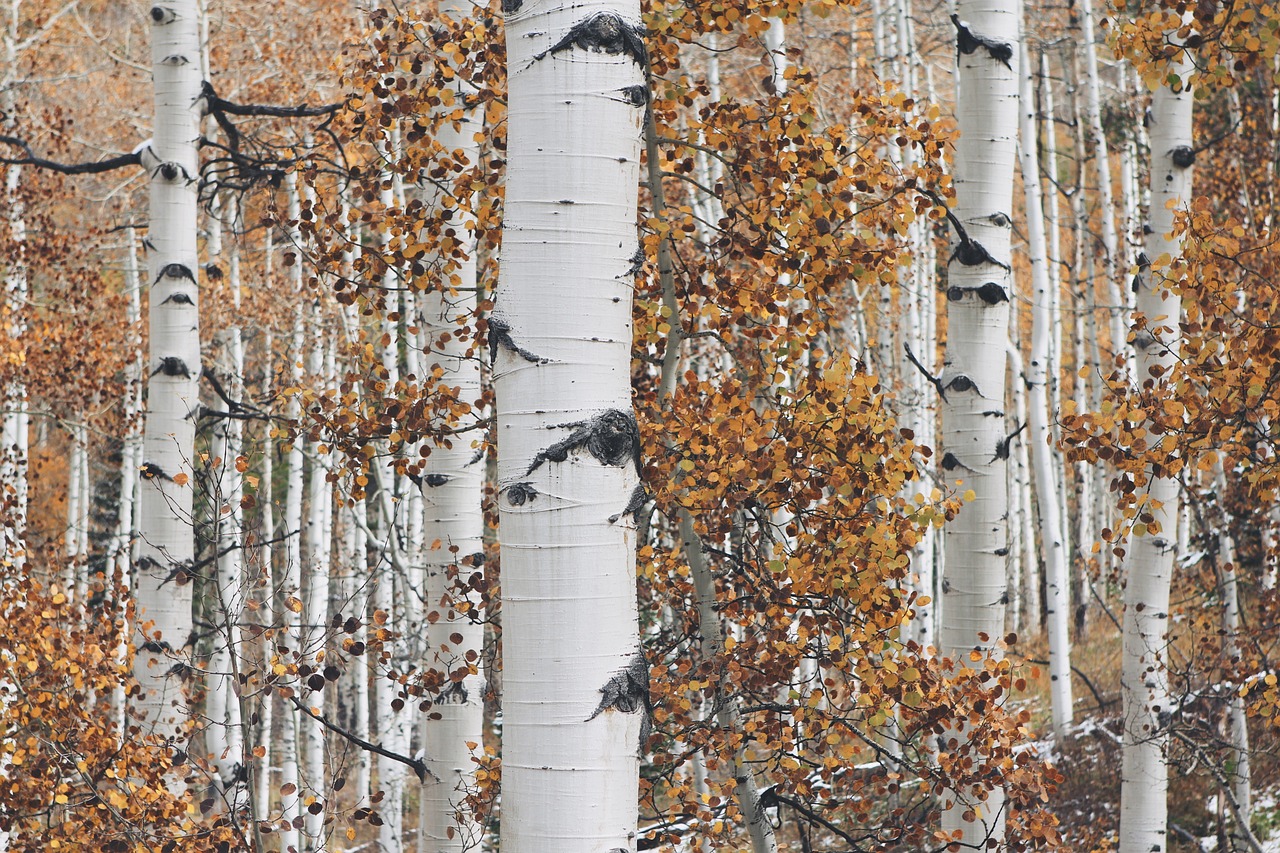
x,y
518,494
961,383
176,271
1183,156
161,15
612,437
635,503
968,42
500,338
950,462
628,691
636,96
970,253
605,32
178,299
434,480
955,294
171,365
992,293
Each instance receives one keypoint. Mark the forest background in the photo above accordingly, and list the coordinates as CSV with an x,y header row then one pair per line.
x,y
798,426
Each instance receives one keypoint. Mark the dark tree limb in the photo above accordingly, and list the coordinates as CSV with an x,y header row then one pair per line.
x,y
416,764
133,158
935,381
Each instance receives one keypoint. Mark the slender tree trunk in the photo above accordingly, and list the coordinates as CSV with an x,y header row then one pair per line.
x,y
575,679
1144,676
973,378
1241,775
166,541
291,588
224,735
1052,536
1117,299
453,534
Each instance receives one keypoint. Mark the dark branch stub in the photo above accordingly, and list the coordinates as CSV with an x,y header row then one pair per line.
x,y
1002,447
968,42
604,32
171,365
1183,156
436,480
500,336
612,437
639,496
628,692
636,96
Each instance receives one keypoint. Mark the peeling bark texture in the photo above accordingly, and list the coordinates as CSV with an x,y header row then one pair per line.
x,y
570,778
974,581
166,540
1144,678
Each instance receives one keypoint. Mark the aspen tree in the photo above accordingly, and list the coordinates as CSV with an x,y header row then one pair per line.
x,y
452,483
166,545
974,436
1148,705
575,702
1052,535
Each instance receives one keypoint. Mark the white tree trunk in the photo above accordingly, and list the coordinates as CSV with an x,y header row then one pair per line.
x,y
1116,295
317,539
1241,775
575,679
291,588
1052,536
973,378
452,732
1144,678
224,735
166,541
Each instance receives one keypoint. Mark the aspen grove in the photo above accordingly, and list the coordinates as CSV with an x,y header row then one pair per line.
x,y
802,426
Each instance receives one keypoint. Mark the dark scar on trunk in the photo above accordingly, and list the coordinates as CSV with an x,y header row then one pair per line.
x,y
175,271
628,691
500,336
604,32
171,365
967,42
639,495
612,437
520,493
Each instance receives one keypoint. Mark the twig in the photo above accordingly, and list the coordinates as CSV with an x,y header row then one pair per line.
x,y
419,767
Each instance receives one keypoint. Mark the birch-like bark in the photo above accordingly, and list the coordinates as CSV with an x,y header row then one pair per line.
x,y
973,377
1144,675
166,542
1052,536
291,588
1241,774
225,733
452,481
317,539
575,679
1117,299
